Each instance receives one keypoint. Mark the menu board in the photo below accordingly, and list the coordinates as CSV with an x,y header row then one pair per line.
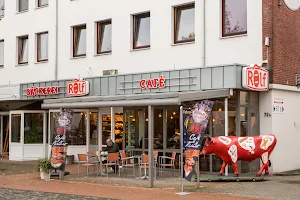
x,y
195,121
63,122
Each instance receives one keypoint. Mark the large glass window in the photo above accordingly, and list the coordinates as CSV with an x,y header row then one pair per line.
x,y
33,128
234,17
1,53
16,128
23,50
23,5
173,128
79,41
158,129
93,128
104,37
119,129
78,129
42,47
184,23
106,128
141,30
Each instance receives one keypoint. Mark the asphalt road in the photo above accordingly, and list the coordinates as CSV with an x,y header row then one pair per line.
x,y
31,195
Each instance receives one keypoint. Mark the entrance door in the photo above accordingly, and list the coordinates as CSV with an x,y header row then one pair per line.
x,y
4,134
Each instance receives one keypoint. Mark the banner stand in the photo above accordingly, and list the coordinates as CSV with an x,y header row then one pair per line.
x,y
181,153
198,172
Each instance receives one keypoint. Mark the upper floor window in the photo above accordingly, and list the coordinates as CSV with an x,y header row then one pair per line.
x,y
104,37
1,53
234,17
42,46
1,8
23,5
79,40
23,50
42,3
141,31
184,26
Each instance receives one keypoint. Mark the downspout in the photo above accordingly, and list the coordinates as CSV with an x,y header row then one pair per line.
x,y
56,41
203,33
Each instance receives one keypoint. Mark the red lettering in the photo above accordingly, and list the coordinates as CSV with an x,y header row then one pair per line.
x,y
82,87
264,80
142,83
28,93
54,90
250,76
40,91
75,88
162,82
149,83
256,78
49,90
70,88
156,82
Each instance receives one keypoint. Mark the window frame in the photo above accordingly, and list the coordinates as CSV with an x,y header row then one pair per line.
x,y
134,18
73,40
21,11
223,23
2,9
19,41
99,36
176,9
41,6
37,46
1,66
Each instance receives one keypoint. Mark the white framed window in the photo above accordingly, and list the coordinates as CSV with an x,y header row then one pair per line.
x,y
2,8
1,53
104,37
141,30
23,5
42,47
79,40
42,3
23,50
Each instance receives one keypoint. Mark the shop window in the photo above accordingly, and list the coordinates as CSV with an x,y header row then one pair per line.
x,y
243,121
78,129
173,128
79,41
1,53
1,8
106,128
244,98
158,129
131,137
104,37
23,50
94,128
234,17
23,5
184,23
42,47
16,128
42,3
33,128
119,130
141,31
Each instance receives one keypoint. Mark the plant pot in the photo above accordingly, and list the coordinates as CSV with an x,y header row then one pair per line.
x,y
46,176
42,174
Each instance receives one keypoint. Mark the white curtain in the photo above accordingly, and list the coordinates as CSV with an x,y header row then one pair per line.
x,y
1,53
43,46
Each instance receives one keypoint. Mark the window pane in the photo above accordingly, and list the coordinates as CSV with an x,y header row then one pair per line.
x,y
105,37
23,5
173,128
42,3
119,129
158,129
94,128
78,129
244,98
1,7
142,30
234,16
23,50
244,121
1,53
106,128
16,128
185,24
33,128
79,43
42,46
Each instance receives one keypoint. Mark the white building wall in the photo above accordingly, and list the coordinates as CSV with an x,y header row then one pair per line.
x,y
286,126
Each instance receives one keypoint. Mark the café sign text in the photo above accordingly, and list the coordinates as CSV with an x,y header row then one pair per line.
x,y
153,83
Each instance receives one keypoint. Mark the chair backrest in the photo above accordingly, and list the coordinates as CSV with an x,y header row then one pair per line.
x,y
155,153
145,159
173,155
123,154
82,157
112,156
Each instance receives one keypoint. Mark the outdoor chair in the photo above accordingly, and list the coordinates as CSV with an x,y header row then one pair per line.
x,y
163,164
83,161
127,162
112,160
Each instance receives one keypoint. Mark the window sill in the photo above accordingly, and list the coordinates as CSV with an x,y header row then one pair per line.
x,y
233,36
78,57
103,54
24,11
20,65
37,8
140,49
41,62
183,43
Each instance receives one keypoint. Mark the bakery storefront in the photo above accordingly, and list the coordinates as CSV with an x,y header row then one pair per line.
x,y
140,112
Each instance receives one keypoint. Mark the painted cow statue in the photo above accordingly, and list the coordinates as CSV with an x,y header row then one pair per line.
x,y
232,148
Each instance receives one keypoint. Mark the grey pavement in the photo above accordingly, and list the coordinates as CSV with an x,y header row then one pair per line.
x,y
32,195
277,188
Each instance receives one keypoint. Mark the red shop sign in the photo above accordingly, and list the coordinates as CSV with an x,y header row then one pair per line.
x,y
255,78
78,87
153,83
39,91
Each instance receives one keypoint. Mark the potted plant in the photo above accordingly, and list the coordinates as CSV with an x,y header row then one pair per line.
x,y
43,165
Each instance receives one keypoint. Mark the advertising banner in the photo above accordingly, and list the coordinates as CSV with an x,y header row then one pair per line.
x,y
195,121
63,122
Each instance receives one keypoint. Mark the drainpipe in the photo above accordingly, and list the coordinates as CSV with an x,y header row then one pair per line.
x,y
202,33
56,41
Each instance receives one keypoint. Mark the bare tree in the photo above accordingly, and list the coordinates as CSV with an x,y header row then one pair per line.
x,y
228,20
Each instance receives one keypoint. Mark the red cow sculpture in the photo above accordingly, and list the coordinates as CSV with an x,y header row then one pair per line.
x,y
232,148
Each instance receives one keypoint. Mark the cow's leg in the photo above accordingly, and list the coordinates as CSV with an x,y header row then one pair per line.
x,y
223,168
235,168
265,164
267,168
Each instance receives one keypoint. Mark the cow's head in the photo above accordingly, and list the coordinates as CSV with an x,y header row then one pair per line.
x,y
208,146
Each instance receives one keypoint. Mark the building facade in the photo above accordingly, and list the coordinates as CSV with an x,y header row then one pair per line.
x,y
54,42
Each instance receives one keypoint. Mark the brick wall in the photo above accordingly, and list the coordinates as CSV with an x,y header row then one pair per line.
x,y
283,27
